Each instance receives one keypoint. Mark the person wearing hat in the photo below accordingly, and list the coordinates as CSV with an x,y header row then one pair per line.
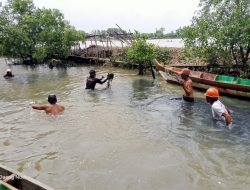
x,y
8,74
219,111
186,84
52,108
92,80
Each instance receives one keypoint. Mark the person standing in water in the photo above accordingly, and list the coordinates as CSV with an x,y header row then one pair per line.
x,y
186,84
219,111
8,74
92,80
52,108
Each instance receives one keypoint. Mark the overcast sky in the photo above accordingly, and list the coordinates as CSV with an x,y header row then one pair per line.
x,y
141,15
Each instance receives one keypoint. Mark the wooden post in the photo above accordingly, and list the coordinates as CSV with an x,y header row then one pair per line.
x,y
122,44
97,51
110,43
92,50
107,43
86,49
103,49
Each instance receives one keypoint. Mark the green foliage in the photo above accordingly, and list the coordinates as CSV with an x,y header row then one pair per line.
x,y
140,51
162,55
37,34
220,32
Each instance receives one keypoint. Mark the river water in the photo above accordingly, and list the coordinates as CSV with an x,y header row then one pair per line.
x,y
136,135
176,43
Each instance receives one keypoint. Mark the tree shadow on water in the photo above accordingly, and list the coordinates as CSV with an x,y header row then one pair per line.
x,y
142,88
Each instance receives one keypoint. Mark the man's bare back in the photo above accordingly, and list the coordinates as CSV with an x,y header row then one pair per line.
x,y
52,108
188,88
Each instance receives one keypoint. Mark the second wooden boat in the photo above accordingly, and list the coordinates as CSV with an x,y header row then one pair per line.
x,y
227,85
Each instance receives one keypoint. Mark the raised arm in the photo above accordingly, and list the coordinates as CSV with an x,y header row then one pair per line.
x,y
179,80
39,106
100,81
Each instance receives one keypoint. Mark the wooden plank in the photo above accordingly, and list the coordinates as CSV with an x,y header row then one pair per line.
x,y
25,182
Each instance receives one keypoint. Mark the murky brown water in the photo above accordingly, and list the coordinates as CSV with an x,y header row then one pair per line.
x,y
136,135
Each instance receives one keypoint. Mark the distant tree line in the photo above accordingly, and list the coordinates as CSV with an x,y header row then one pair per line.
x,y
160,34
108,31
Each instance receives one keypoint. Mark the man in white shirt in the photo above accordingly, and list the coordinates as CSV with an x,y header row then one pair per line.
x,y
219,110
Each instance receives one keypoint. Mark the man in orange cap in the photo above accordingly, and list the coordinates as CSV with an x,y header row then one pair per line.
x,y
219,110
187,85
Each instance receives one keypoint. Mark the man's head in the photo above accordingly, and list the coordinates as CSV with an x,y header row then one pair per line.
x,y
110,76
185,73
52,99
92,73
212,95
8,71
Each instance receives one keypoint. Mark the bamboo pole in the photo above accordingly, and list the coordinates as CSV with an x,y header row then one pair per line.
x,y
86,49
97,50
122,44
110,44
104,50
123,32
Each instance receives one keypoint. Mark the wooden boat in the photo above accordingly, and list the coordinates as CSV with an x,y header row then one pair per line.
x,y
12,180
227,85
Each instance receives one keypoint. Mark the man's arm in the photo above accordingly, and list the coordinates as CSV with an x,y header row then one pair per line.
x,y
39,106
100,81
227,118
178,79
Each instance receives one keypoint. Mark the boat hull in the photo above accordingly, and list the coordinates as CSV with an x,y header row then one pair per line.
x,y
19,181
202,80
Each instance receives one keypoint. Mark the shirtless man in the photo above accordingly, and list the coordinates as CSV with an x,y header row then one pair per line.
x,y
187,85
52,108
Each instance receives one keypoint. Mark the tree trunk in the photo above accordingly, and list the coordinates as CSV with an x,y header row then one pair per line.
x,y
244,57
234,56
141,68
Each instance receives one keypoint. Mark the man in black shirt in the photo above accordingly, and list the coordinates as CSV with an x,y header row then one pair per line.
x,y
92,80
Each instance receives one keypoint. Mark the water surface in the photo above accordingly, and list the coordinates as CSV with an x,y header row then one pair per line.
x,y
136,135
